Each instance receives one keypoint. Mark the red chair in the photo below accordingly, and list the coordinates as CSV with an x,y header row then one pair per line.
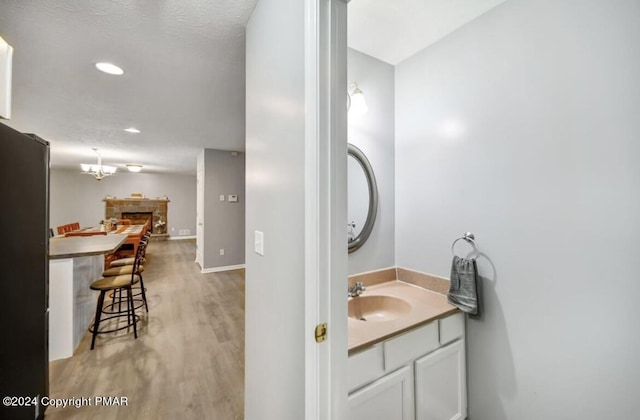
x,y
68,228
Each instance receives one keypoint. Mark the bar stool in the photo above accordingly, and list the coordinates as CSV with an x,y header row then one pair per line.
x,y
116,283
129,260
125,269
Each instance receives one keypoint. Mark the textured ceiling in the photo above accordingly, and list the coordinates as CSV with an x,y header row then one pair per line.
x,y
395,30
183,85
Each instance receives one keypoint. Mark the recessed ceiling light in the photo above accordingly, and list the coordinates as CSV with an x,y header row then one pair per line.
x,y
132,130
134,167
110,68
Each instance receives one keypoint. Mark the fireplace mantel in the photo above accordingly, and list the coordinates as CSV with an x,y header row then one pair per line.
x,y
114,207
130,200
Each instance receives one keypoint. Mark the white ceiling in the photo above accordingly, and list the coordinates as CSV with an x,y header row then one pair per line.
x,y
394,30
184,78
183,85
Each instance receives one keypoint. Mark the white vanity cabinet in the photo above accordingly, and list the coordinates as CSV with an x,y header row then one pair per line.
x,y
417,375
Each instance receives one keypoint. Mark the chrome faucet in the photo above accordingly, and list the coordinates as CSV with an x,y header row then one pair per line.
x,y
356,290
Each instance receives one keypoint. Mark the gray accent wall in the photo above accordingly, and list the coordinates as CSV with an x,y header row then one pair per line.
x,y
77,197
275,293
373,133
223,221
522,127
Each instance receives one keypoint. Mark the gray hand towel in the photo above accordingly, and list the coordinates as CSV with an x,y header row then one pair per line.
x,y
463,292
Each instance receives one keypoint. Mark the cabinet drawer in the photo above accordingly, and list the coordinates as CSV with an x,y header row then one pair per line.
x,y
409,346
364,367
451,328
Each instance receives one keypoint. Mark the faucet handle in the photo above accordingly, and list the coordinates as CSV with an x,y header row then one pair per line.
x,y
356,290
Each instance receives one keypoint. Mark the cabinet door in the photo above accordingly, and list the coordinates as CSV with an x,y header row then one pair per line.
x,y
441,388
388,398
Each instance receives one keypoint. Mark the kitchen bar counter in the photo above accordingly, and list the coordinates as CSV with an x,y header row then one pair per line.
x,y
74,263
83,246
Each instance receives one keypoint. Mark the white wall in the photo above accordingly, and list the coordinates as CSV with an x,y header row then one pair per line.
x,y
523,128
275,156
78,197
223,220
373,133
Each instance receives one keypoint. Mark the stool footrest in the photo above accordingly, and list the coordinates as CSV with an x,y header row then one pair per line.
x,y
127,325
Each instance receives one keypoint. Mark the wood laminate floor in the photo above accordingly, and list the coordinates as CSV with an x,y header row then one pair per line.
x,y
188,360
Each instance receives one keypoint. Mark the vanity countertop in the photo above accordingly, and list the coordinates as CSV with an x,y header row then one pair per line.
x,y
426,306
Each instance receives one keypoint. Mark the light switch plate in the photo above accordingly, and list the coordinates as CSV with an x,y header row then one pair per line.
x,y
259,242
221,197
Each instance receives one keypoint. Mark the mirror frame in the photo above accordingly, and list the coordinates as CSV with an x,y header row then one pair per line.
x,y
362,237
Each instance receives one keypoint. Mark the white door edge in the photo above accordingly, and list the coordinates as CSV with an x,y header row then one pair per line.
x,y
325,208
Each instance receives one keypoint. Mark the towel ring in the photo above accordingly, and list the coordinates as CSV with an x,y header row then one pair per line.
x,y
469,238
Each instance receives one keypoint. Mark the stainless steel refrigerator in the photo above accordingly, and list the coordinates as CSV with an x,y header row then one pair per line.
x,y
24,274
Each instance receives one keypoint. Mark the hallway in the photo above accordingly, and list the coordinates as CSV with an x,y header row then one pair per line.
x,y
188,360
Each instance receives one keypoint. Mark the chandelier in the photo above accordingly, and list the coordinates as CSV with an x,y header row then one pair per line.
x,y
99,170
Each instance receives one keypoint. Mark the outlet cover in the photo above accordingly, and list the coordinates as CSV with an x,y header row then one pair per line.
x,y
221,251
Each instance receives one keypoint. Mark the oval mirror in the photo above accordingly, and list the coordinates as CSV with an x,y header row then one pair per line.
x,y
362,191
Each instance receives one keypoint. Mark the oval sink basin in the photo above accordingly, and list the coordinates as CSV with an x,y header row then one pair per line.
x,y
377,308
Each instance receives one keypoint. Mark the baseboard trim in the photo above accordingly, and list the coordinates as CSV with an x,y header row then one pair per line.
x,y
218,269
180,238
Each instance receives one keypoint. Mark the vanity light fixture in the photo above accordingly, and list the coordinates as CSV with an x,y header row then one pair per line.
x,y
134,167
132,130
98,170
109,68
356,103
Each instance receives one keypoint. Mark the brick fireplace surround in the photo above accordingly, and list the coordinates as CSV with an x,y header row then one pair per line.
x,y
114,207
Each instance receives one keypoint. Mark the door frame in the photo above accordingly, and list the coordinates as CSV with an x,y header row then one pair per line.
x,y
326,208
